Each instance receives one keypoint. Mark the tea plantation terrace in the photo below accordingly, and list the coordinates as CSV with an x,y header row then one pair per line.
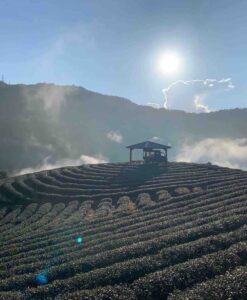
x,y
124,231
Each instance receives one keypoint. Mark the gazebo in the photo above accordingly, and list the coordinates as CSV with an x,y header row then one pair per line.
x,y
152,152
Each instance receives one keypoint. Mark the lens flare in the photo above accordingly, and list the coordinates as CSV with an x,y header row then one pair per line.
x,y
42,279
79,240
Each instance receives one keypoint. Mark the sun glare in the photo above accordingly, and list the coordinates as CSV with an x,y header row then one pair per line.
x,y
170,63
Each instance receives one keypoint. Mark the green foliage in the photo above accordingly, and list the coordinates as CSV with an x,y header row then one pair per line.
x,y
141,238
3,175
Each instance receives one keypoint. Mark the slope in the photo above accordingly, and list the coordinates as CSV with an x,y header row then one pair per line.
x,y
46,123
121,231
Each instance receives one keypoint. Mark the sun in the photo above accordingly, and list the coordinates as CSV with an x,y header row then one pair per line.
x,y
170,63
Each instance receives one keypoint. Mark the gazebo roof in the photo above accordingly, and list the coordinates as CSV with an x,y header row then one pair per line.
x,y
148,145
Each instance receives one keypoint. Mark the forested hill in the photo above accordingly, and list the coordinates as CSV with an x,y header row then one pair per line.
x,y
48,122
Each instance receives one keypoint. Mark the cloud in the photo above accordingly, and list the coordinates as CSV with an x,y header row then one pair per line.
x,y
230,153
83,159
199,106
115,136
153,104
192,95
98,159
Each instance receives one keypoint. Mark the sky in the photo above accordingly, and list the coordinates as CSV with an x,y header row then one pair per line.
x,y
114,47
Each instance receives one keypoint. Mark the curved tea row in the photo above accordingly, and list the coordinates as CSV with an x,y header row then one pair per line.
x,y
159,235
110,180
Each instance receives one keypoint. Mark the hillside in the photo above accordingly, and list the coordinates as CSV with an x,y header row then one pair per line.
x,y
44,123
125,231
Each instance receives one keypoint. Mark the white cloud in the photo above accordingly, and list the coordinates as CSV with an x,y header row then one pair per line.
x,y
192,95
115,136
230,153
199,106
83,159
153,104
98,159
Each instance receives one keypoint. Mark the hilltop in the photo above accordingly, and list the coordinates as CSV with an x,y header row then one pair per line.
x,y
44,123
124,231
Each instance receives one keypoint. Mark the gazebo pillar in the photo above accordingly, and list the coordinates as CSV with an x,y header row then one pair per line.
x,y
166,155
131,155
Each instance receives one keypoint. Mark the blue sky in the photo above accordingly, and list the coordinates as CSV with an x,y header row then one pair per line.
x,y
112,46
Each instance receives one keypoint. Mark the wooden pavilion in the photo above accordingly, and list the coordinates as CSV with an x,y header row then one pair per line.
x,y
152,152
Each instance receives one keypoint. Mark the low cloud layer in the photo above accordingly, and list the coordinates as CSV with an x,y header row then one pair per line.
x,y
192,95
84,159
153,104
115,136
223,152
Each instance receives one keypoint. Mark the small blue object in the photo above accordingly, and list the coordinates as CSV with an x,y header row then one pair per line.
x,y
42,279
79,240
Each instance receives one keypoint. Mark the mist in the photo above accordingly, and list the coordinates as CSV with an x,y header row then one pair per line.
x,y
230,153
46,125
83,159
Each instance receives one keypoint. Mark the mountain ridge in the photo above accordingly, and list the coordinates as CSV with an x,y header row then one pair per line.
x,y
46,122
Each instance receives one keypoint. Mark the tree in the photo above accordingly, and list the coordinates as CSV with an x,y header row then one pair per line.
x,y
3,174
